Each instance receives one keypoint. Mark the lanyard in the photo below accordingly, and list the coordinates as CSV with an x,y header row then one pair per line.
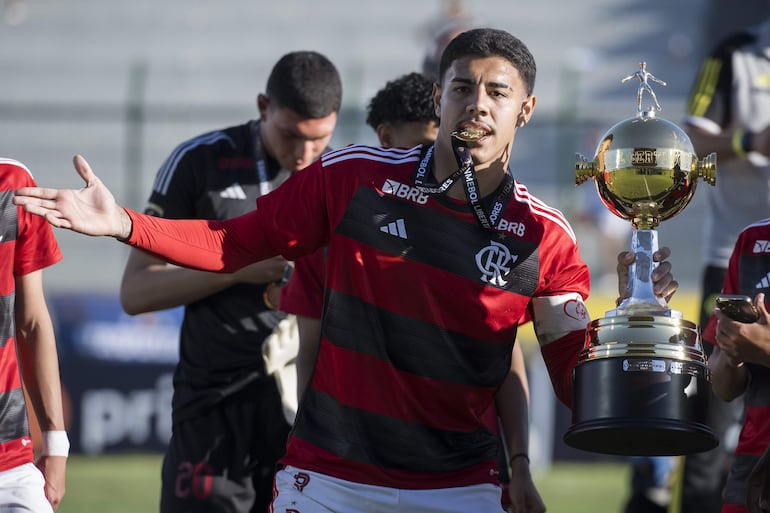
x,y
487,220
426,164
260,158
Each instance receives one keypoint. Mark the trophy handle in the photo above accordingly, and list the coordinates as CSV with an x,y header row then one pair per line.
x,y
707,168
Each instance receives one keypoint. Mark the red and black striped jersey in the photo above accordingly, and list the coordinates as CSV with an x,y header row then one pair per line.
x,y
27,244
420,314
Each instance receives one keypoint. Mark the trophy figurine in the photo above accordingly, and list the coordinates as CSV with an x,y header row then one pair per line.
x,y
642,384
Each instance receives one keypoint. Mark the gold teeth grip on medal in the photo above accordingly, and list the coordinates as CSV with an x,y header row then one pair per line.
x,y
470,134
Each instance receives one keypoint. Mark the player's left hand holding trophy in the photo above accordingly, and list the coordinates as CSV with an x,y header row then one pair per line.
x,y
642,385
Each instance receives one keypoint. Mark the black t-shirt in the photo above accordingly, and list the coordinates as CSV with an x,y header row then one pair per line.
x,y
218,175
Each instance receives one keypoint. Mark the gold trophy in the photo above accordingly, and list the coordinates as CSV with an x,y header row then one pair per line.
x,y
642,384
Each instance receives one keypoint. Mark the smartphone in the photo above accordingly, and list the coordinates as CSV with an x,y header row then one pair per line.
x,y
738,307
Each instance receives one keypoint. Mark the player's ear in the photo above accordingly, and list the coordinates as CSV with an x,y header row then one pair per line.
x,y
385,134
437,99
526,111
263,103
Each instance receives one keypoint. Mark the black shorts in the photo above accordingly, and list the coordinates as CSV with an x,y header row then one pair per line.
x,y
224,461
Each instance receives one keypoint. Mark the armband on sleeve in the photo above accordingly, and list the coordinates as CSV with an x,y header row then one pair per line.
x,y
555,316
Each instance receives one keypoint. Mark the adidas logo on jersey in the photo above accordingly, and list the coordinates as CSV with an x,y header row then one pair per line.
x,y
761,246
235,191
404,191
397,228
764,283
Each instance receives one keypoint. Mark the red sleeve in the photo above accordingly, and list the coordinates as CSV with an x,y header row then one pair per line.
x,y
223,246
560,357
278,226
304,294
36,247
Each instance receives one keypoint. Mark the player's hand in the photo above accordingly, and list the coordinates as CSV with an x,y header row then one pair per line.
x,y
664,284
53,469
264,271
745,342
523,494
91,210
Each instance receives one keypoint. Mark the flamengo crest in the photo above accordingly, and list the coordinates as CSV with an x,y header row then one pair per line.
x,y
494,262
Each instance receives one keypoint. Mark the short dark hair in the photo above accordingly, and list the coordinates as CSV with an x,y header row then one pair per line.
x,y
307,83
407,98
488,42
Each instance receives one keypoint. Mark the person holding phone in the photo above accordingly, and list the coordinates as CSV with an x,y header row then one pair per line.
x,y
728,112
740,361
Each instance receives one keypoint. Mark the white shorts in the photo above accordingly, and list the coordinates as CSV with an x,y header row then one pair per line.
x,y
301,491
21,490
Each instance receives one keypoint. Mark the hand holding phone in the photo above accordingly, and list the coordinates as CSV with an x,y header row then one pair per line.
x,y
737,307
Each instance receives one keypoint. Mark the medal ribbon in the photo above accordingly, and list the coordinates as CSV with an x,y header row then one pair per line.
x,y
466,171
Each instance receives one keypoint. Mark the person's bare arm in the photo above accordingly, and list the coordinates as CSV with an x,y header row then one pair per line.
x,y
722,143
728,380
150,284
706,142
39,365
512,402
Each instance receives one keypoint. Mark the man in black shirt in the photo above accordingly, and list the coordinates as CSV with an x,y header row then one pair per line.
x,y
228,423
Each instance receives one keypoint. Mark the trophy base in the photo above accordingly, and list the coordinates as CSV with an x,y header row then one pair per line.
x,y
637,397
640,437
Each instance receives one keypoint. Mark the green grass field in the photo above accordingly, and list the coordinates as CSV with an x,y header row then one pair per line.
x,y
131,484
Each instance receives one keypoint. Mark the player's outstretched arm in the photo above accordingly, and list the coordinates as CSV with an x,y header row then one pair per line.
x,y
91,210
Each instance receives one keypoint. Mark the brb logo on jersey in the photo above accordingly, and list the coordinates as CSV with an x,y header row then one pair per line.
x,y
494,262
513,227
404,191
